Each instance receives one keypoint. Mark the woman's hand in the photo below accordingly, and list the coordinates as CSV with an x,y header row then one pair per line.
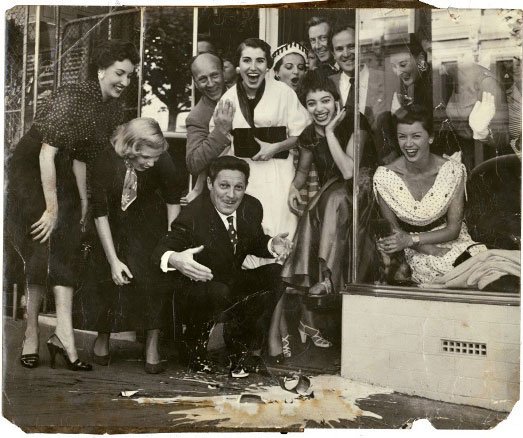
x,y
481,116
187,199
336,120
295,200
120,273
42,229
395,242
266,152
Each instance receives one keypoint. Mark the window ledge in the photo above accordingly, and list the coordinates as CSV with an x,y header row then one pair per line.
x,y
450,295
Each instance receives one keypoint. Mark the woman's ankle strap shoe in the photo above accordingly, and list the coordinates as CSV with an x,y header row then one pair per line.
x,y
315,335
77,365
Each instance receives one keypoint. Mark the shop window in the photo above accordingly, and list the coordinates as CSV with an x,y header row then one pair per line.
x,y
441,65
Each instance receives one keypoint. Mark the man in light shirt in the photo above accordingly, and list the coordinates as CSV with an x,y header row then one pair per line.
x,y
371,82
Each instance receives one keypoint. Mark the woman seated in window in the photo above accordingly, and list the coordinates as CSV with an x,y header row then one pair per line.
x,y
422,196
320,262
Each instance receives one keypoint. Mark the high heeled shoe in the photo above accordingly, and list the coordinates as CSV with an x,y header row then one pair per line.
x,y
31,360
77,365
315,335
285,346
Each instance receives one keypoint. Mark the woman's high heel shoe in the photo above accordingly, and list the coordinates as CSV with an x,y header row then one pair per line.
x,y
314,334
31,360
286,348
77,365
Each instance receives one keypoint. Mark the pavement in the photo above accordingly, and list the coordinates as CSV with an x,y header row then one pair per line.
x,y
58,400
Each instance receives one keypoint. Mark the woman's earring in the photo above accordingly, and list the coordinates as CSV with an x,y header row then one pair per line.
x,y
422,65
238,70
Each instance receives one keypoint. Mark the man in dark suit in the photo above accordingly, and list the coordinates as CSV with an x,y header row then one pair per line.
x,y
207,244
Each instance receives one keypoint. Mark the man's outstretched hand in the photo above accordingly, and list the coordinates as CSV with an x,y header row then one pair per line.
x,y
184,262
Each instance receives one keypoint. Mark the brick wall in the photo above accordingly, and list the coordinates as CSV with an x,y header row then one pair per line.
x,y
396,343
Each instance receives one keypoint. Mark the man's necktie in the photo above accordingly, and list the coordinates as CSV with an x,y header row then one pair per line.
x,y
350,96
233,235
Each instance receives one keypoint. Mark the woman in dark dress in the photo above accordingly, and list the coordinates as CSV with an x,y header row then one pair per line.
x,y
136,193
321,258
47,191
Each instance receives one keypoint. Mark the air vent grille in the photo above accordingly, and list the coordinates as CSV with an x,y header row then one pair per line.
x,y
463,347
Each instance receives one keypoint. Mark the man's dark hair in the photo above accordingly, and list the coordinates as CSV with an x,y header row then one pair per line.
x,y
316,80
220,61
339,27
412,114
255,43
314,21
228,162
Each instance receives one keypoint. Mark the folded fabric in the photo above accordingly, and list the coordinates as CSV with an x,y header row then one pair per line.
x,y
482,269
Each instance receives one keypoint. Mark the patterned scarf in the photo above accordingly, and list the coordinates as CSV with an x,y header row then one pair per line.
x,y
130,186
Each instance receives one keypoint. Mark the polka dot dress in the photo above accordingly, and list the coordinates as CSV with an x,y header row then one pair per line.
x,y
433,206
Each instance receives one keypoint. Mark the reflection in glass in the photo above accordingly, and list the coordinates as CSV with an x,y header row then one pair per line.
x,y
452,81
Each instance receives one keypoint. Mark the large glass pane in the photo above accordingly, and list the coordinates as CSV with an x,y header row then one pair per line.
x,y
462,70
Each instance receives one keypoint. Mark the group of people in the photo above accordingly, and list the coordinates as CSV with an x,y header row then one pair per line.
x,y
270,214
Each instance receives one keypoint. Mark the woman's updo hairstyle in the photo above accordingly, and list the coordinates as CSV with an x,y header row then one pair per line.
x,y
106,53
130,138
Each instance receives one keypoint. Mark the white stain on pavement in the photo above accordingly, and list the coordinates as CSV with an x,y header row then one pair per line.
x,y
334,400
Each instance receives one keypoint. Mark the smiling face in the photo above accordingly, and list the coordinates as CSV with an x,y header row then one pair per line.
x,y
227,190
319,39
145,158
291,70
115,78
253,66
321,105
343,50
414,141
404,66
208,76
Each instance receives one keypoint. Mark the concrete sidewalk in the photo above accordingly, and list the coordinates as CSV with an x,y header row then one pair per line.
x,y
59,400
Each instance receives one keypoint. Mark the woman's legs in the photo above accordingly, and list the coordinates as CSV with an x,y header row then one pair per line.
x,y
63,296
274,340
101,344
35,294
152,354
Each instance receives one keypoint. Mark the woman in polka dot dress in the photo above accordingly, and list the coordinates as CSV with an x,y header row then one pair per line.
x,y
47,190
422,196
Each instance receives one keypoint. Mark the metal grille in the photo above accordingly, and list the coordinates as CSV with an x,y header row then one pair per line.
x,y
79,39
14,76
462,347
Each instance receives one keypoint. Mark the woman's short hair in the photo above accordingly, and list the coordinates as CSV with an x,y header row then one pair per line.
x,y
228,162
128,139
106,53
254,43
412,114
316,80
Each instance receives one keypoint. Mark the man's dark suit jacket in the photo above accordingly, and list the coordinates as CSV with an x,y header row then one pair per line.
x,y
199,224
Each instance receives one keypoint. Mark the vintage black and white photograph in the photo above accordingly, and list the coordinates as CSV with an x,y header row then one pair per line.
x,y
246,218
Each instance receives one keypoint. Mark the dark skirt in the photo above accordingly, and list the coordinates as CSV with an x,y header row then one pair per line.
x,y
58,260
323,240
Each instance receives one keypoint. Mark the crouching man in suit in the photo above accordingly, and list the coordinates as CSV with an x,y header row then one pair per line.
x,y
206,247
